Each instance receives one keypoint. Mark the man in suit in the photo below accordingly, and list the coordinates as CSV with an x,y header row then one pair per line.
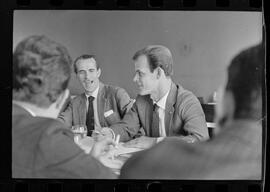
x,y
100,105
235,152
43,147
162,107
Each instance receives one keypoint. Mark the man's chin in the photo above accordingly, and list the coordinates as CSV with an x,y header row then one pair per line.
x,y
89,90
143,93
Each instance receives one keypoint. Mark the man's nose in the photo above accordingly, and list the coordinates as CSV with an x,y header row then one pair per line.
x,y
87,75
135,78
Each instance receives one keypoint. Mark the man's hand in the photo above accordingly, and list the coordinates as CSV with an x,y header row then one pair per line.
x,y
101,147
105,132
142,142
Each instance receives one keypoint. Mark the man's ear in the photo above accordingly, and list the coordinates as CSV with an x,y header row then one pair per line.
x,y
77,77
227,109
229,104
98,72
159,72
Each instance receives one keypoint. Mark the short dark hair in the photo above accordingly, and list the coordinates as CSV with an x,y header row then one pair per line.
x,y
157,56
82,57
41,70
245,80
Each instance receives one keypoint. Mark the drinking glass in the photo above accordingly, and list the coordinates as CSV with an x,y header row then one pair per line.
x,y
80,131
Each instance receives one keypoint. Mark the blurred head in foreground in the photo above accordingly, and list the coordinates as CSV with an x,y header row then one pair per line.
x,y
41,72
241,98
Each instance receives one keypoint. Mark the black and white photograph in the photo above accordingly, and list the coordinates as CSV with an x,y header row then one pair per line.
x,y
118,94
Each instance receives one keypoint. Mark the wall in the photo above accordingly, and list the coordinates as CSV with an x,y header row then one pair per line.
x,y
202,43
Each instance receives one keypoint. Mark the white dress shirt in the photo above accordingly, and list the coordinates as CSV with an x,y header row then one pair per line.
x,y
94,94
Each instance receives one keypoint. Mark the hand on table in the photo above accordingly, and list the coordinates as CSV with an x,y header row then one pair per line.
x,y
101,147
142,142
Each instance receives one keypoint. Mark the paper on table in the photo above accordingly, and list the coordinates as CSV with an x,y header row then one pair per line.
x,y
125,150
111,163
87,143
120,153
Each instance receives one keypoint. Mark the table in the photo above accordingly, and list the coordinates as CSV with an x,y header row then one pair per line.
x,y
121,154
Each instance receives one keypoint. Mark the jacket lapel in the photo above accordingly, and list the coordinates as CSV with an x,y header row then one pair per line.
x,y
101,101
82,109
170,107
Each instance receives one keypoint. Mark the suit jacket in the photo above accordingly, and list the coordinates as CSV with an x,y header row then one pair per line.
x,y
109,98
44,148
183,117
235,153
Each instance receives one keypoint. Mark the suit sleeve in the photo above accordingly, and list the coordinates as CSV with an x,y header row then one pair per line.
x,y
191,113
129,126
171,159
66,116
123,101
65,158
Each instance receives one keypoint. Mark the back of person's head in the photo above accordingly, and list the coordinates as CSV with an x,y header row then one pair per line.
x,y
245,78
41,71
157,56
83,57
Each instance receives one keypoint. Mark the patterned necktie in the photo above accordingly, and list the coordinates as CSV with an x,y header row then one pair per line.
x,y
155,121
90,121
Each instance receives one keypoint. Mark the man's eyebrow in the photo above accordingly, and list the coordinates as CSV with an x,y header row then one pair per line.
x,y
91,69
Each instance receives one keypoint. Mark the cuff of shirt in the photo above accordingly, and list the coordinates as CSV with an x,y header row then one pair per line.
x,y
160,139
189,139
113,134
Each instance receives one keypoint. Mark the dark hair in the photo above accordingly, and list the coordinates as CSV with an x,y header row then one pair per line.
x,y
41,70
157,56
85,56
245,78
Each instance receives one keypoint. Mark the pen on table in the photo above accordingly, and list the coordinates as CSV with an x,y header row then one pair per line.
x,y
117,141
116,145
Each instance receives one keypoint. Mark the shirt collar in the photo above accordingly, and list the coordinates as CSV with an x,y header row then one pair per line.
x,y
94,94
162,102
24,107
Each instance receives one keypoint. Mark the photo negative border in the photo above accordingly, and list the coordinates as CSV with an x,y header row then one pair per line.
x,y
6,17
